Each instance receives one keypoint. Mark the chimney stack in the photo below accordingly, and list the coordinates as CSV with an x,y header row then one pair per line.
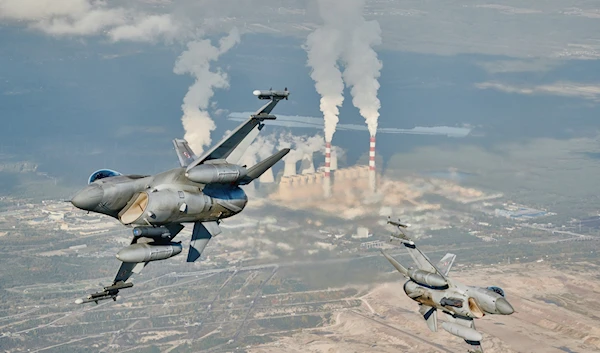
x,y
372,177
327,181
333,165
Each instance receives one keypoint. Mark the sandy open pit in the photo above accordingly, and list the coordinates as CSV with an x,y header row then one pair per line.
x,y
557,311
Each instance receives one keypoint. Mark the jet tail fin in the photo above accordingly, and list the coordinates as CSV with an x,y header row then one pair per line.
x,y
445,263
258,170
184,152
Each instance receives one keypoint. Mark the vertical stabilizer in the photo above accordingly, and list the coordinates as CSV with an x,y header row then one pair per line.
x,y
445,264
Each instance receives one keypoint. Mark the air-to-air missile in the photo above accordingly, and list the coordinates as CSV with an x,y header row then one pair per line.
x,y
203,190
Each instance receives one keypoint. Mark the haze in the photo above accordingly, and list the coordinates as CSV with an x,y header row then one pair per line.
x,y
486,110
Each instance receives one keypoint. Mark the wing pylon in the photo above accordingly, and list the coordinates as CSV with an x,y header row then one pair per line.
x,y
422,261
127,269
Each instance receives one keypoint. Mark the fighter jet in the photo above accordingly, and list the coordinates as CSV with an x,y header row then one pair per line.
x,y
430,286
203,191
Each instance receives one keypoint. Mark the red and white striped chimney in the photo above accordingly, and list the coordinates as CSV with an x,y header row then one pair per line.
x,y
372,181
327,181
372,154
327,159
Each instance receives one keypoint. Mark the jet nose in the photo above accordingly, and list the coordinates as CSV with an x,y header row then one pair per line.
x,y
503,307
88,198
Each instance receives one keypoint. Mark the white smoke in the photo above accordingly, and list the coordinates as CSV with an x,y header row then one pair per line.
x,y
324,47
196,61
345,35
260,149
362,69
300,145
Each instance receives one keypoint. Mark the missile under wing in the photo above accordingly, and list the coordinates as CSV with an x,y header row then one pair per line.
x,y
204,190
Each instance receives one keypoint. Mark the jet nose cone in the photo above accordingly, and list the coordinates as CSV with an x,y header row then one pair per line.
x,y
504,307
88,198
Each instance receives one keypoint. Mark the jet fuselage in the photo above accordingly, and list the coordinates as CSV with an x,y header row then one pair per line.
x,y
164,198
461,300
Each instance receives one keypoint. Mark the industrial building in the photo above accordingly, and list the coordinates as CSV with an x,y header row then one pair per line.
x,y
324,182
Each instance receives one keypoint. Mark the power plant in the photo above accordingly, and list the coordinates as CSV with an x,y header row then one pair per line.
x,y
325,182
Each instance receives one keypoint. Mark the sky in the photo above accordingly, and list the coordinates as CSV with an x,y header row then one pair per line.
x,y
91,84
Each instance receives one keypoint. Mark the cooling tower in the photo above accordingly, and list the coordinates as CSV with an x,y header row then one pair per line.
x,y
307,166
267,177
289,168
327,181
372,176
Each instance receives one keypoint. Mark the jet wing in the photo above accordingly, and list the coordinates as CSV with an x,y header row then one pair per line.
x,y
231,148
395,263
421,259
446,263
126,270
123,274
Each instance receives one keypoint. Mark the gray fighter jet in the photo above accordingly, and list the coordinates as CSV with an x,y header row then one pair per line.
x,y
202,191
430,286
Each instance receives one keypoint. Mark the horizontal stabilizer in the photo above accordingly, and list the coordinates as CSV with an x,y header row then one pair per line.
x,y
258,170
202,233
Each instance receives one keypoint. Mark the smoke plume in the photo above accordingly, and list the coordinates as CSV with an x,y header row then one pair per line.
x,y
260,149
324,48
345,35
196,61
362,69
300,145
